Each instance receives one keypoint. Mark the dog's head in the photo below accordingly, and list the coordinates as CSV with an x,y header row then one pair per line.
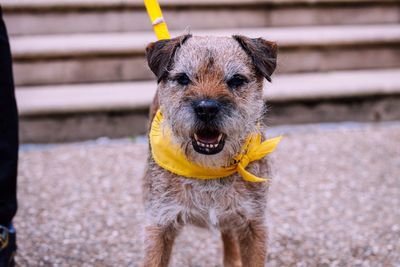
x,y
210,90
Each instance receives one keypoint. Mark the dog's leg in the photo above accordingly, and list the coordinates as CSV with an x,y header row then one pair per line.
x,y
253,244
231,250
158,245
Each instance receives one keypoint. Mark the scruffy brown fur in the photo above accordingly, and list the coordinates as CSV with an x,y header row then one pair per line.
x,y
229,71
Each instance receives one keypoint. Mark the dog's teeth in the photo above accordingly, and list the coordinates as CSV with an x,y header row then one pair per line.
x,y
207,146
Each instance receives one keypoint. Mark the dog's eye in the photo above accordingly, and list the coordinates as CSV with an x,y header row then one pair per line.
x,y
182,79
236,81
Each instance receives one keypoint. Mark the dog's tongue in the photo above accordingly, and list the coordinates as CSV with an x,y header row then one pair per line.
x,y
208,139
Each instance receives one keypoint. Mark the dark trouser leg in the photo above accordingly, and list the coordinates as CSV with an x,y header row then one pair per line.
x,y
8,133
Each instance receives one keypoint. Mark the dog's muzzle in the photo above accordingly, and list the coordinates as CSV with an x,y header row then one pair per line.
x,y
208,140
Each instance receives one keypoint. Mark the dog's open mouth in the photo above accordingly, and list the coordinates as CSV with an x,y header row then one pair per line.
x,y
208,142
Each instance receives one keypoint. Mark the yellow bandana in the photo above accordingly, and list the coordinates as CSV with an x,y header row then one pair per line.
x,y
170,156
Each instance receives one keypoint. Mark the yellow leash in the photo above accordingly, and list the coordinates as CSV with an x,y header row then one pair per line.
x,y
157,19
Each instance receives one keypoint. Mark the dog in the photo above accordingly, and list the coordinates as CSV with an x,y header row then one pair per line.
x,y
210,93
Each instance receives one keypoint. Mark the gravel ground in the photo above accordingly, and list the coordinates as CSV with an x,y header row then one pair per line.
x,y
334,201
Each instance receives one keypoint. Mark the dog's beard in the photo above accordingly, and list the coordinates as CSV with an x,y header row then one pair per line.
x,y
235,128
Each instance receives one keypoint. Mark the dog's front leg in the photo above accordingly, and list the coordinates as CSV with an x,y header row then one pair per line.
x,y
253,244
231,249
158,245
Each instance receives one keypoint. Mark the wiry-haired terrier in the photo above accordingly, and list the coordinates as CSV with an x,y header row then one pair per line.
x,y
210,94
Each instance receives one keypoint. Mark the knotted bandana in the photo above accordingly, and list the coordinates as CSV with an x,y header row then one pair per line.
x,y
171,157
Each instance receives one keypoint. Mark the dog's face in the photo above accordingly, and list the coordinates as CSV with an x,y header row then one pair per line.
x,y
210,90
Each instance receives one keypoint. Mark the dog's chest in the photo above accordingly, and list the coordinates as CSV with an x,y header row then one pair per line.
x,y
214,202
220,203
227,202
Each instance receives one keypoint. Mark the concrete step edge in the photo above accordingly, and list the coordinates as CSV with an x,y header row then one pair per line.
x,y
65,5
95,44
114,97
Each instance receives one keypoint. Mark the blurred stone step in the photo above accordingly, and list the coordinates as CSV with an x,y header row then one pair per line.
x,y
76,112
62,59
75,16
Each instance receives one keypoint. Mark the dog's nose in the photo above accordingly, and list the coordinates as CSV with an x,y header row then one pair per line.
x,y
206,110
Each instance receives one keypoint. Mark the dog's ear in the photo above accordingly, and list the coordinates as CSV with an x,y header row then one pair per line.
x,y
160,54
262,53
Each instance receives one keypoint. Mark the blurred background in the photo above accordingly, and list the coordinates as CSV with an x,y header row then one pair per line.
x,y
81,73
